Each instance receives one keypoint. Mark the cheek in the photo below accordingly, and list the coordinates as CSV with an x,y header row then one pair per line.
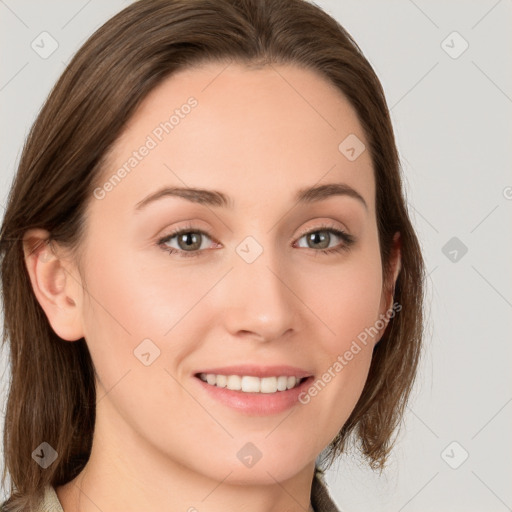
x,y
348,307
136,299
346,299
131,301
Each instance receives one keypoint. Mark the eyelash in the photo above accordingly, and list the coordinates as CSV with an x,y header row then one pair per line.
x,y
348,241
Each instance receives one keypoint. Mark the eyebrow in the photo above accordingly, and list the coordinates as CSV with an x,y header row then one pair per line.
x,y
216,198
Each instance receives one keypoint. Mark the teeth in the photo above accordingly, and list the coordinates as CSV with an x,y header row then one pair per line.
x,y
233,382
282,383
251,384
221,381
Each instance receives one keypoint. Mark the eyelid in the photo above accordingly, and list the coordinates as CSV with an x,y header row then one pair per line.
x,y
184,229
347,239
325,226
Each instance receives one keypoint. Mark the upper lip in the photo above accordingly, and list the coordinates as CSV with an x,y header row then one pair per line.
x,y
258,371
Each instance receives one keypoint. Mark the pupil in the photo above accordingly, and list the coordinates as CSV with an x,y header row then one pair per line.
x,y
187,239
318,237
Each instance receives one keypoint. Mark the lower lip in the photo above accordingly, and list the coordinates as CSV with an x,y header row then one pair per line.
x,y
258,404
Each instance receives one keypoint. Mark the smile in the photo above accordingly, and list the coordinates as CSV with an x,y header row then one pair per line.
x,y
252,384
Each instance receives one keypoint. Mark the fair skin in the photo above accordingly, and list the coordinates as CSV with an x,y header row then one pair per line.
x,y
161,440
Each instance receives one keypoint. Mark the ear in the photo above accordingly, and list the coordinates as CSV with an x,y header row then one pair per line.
x,y
388,290
55,282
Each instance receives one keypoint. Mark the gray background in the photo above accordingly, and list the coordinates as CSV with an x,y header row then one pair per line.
x,y
452,116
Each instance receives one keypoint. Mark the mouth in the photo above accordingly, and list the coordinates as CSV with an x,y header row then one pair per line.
x,y
251,383
254,390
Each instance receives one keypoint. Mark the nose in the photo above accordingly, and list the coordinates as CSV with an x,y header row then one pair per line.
x,y
257,301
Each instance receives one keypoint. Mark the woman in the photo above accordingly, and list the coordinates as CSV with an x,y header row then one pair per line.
x,y
177,338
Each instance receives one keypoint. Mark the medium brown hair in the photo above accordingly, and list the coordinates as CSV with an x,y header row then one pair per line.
x,y
52,394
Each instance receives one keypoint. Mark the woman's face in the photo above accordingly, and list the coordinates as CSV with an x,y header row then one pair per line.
x,y
244,291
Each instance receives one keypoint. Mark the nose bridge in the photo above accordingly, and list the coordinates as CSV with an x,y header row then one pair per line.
x,y
259,300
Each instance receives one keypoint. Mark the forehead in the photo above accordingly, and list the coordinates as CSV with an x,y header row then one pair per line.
x,y
252,132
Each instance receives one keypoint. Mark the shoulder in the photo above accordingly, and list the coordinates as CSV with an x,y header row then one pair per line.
x,y
320,497
50,501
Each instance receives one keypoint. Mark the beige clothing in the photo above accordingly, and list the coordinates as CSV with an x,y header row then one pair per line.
x,y
320,498
50,501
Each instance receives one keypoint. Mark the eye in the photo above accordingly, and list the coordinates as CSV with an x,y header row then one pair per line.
x,y
188,241
321,237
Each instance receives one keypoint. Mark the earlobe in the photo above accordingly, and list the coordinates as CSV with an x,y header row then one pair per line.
x,y
56,289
